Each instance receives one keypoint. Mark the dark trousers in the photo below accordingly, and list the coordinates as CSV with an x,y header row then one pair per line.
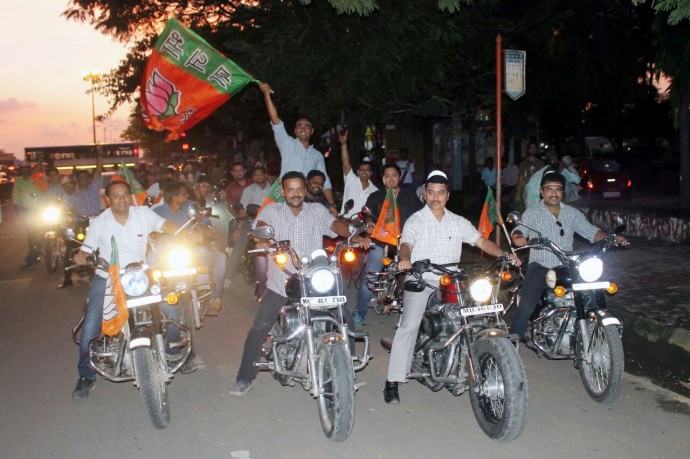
x,y
532,287
239,248
34,235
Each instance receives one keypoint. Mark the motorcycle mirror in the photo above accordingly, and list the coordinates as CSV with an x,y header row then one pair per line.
x,y
252,210
514,218
193,211
365,211
68,233
356,227
263,232
620,223
415,285
349,204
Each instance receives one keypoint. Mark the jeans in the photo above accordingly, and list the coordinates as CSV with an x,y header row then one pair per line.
x,y
374,264
92,325
239,247
530,292
261,273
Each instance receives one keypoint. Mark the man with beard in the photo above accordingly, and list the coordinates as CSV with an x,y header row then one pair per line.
x,y
437,234
304,225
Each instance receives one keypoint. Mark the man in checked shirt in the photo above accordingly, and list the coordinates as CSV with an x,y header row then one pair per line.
x,y
558,222
437,234
304,225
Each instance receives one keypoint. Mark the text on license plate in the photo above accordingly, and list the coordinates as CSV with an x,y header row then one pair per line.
x,y
324,300
484,309
591,285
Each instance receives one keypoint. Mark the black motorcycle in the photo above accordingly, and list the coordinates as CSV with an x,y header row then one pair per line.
x,y
571,320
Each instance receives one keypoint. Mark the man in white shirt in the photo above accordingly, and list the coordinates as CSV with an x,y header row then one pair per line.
x,y
358,186
130,226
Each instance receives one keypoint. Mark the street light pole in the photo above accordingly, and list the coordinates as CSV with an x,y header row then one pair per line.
x,y
92,76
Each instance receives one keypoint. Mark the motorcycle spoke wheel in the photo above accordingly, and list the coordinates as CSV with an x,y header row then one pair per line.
x,y
601,369
152,386
336,403
500,402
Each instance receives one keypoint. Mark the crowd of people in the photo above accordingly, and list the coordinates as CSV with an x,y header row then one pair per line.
x,y
309,212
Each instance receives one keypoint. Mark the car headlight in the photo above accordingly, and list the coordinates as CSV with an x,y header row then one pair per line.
x,y
591,269
50,214
135,282
322,280
480,290
179,257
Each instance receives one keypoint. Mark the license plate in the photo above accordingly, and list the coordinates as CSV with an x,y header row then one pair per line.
x,y
133,303
612,194
180,272
479,310
591,285
324,300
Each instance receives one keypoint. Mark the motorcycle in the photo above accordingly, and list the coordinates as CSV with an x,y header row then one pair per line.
x,y
309,343
55,219
351,260
463,344
141,351
387,288
571,320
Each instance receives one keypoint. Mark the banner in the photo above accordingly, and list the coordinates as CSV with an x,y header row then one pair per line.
x,y
489,216
186,80
115,313
515,62
387,227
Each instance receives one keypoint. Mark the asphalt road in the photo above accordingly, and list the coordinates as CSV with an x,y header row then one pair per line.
x,y
38,419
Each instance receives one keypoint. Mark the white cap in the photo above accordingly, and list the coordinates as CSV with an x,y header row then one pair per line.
x,y
435,173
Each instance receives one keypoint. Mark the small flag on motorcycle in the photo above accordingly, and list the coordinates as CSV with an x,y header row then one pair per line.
x,y
387,227
115,313
489,216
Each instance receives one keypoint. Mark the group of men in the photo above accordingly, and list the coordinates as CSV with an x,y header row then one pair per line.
x,y
429,230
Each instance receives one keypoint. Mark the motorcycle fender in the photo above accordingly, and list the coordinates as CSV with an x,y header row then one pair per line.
x,y
141,337
50,235
492,333
604,317
332,338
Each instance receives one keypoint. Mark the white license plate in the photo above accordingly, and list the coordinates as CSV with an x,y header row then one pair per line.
x,y
612,194
591,285
133,303
324,300
479,310
180,272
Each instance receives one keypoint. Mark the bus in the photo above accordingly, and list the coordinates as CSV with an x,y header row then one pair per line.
x,y
84,156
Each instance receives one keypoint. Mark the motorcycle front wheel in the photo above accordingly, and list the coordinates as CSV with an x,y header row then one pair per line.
x,y
601,369
500,403
187,316
152,386
337,400
50,254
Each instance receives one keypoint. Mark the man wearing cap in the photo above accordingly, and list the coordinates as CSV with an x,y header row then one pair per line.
x,y
408,203
559,222
24,193
437,234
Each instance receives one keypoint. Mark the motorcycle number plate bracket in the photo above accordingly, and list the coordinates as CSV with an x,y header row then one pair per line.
x,y
591,285
479,310
133,303
324,300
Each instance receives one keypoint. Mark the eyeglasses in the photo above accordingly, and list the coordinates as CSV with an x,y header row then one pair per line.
x,y
560,225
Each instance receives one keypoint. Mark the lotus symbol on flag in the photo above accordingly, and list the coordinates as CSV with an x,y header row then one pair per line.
x,y
162,98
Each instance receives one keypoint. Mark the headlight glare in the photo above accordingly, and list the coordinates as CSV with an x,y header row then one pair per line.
x,y
322,280
179,257
591,269
480,290
135,282
50,214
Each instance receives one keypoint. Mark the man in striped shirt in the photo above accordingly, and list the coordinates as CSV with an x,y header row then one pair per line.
x,y
86,198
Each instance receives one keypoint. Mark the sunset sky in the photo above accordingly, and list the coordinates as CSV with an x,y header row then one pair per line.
x,y
43,99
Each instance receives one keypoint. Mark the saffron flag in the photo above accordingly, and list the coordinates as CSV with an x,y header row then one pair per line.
x,y
387,227
125,175
185,80
489,216
275,194
115,313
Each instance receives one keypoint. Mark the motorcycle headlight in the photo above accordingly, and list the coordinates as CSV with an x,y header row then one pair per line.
x,y
50,214
590,269
179,257
480,290
322,280
135,282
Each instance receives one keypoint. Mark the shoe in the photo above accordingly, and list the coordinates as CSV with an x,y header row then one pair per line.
x,y
193,364
390,392
27,265
84,385
240,388
227,285
214,308
65,284
359,320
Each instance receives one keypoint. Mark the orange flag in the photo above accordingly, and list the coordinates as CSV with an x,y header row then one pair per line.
x,y
489,216
387,227
115,312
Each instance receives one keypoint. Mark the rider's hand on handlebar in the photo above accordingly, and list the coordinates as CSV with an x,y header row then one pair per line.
x,y
364,242
515,258
620,241
518,239
404,264
80,257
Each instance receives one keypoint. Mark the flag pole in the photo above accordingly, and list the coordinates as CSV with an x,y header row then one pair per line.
x,y
499,127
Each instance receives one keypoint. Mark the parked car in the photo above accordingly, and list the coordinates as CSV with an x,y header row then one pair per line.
x,y
603,178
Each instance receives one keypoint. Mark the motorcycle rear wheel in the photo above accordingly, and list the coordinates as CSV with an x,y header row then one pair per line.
x,y
154,390
50,254
500,405
336,403
602,371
